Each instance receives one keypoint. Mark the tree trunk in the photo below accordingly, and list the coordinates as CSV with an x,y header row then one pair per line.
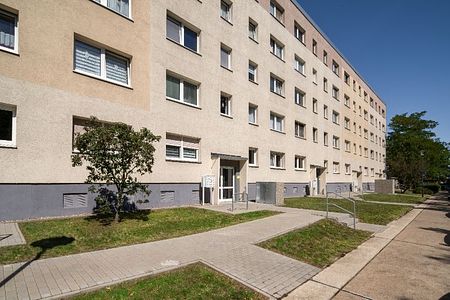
x,y
117,204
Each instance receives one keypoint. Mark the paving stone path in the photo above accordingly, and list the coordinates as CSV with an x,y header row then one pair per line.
x,y
231,250
10,235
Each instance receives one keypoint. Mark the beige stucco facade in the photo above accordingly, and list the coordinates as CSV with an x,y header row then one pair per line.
x,y
41,84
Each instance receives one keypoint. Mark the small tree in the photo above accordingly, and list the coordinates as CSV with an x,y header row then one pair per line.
x,y
115,155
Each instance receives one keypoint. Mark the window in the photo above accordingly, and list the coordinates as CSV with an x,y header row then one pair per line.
x,y
354,127
299,162
366,152
181,90
335,93
177,32
371,119
347,123
315,105
346,100
360,110
252,71
225,104
354,148
360,150
252,114
336,168
314,47
366,134
347,169
101,63
371,137
253,157
336,142
325,165
276,122
366,171
276,160
225,10
7,126
225,56
300,97
299,65
253,30
300,130
359,91
8,32
347,146
372,153
371,102
366,115
325,57
325,112
314,72
346,78
277,11
325,139
354,85
335,68
325,84
299,33
315,134
182,148
335,117
372,172
276,85
119,6
276,48
365,96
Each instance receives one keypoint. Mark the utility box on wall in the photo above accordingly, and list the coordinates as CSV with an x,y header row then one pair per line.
x,y
385,186
270,193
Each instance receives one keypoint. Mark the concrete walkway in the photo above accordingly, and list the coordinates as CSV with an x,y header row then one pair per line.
x,y
10,235
408,260
231,250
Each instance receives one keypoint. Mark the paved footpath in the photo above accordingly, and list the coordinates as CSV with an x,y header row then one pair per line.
x,y
231,250
410,259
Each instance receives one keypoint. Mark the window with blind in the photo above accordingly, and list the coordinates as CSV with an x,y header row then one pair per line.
x,y
8,31
181,90
252,114
179,33
225,56
182,148
119,6
99,62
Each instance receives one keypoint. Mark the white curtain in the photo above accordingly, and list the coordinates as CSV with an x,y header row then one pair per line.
x,y
7,31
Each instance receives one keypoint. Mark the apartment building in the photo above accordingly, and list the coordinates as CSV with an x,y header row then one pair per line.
x,y
246,91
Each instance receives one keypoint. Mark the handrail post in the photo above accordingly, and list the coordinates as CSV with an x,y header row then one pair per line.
x,y
354,215
327,205
232,202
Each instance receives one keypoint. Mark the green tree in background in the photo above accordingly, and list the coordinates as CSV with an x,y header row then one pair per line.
x,y
413,151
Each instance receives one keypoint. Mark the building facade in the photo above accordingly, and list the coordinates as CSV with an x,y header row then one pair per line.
x,y
245,91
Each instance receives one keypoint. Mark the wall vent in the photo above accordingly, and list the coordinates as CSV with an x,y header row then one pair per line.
x,y
75,200
167,196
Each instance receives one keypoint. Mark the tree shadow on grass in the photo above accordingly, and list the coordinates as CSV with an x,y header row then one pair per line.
x,y
108,219
44,245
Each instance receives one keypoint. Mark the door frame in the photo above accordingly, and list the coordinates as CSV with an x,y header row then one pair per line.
x,y
221,188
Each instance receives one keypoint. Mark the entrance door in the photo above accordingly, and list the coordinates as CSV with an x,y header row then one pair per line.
x,y
226,184
318,173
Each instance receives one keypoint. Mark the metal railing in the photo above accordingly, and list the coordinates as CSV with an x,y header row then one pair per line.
x,y
239,197
353,214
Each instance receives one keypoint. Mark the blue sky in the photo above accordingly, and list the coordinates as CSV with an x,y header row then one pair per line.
x,y
401,48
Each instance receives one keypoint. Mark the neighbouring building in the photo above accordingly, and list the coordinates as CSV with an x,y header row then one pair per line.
x,y
248,91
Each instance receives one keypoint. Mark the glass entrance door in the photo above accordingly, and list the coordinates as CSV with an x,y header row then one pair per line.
x,y
226,186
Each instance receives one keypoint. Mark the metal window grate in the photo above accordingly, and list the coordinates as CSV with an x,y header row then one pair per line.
x,y
75,200
167,196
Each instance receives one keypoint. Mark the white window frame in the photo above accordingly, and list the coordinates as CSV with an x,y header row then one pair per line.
x,y
299,65
275,46
254,152
274,154
276,84
325,85
335,117
228,99
182,28
182,81
255,107
336,167
336,142
255,25
255,66
299,32
299,97
335,68
105,4
325,111
229,13
315,105
16,32
103,53
335,92
300,163
348,146
315,134
182,147
314,73
299,125
227,50
277,11
277,119
325,58
347,169
325,139
346,123
12,142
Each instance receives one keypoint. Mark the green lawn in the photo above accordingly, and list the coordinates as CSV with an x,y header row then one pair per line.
x,y
74,235
373,213
319,244
398,198
195,281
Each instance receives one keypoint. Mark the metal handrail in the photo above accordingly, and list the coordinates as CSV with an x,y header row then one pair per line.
x,y
353,214
239,196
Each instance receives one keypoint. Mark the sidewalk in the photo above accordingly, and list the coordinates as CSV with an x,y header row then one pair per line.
x,y
231,250
408,260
